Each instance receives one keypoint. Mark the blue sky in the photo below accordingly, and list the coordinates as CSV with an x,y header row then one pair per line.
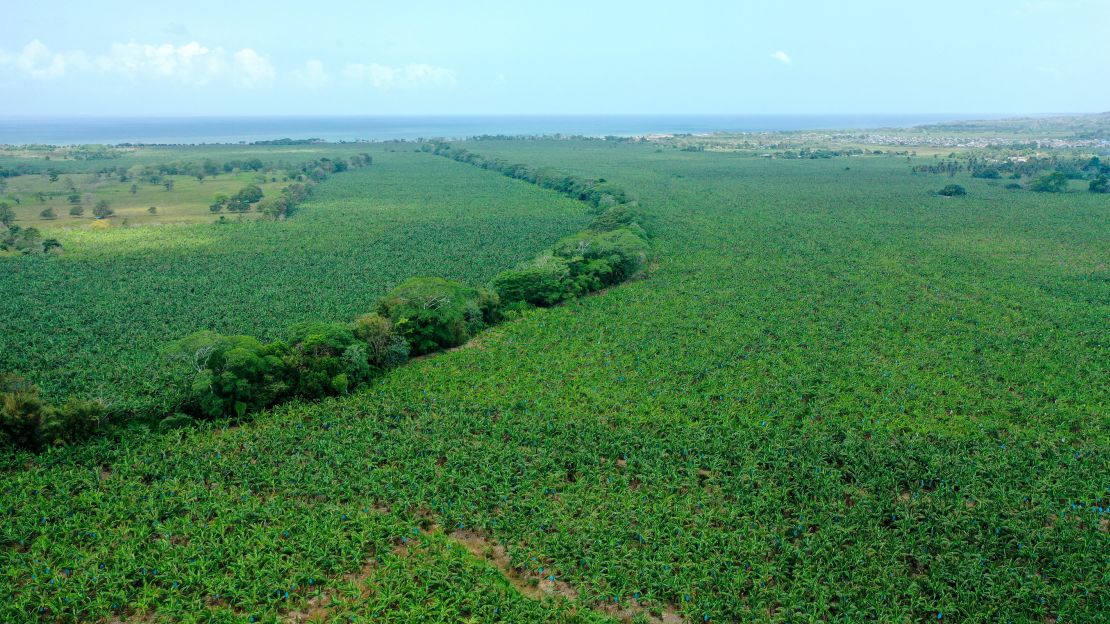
x,y
566,57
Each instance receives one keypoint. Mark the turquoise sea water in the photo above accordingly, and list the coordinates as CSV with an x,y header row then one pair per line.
x,y
188,130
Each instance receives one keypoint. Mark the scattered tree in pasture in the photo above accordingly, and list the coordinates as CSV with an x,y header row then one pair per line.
x,y
219,203
168,183
77,211
152,210
48,213
952,190
134,189
1055,182
7,215
102,209
52,175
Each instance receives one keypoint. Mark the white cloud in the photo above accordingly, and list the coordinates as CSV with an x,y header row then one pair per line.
x,y
252,69
36,60
406,76
312,74
194,64
190,64
782,57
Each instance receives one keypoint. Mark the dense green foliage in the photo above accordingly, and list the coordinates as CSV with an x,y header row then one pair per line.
x,y
838,398
26,240
1055,182
952,190
433,313
26,421
1100,184
92,322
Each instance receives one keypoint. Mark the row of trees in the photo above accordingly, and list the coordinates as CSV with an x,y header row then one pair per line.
x,y
237,375
291,196
1016,169
596,192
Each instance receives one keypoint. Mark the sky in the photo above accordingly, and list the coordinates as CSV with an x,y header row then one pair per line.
x,y
114,58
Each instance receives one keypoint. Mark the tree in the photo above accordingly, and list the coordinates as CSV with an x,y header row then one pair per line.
x,y
433,313
48,213
52,175
168,184
74,198
152,210
134,188
102,210
235,374
1055,182
218,203
542,284
77,211
26,421
241,201
1100,184
7,215
952,190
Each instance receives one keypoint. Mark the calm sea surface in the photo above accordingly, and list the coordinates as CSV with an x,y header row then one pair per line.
x,y
187,130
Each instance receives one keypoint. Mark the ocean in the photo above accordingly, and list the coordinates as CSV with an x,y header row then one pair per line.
x,y
196,130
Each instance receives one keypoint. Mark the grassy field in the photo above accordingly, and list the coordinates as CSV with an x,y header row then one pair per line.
x,y
187,203
837,398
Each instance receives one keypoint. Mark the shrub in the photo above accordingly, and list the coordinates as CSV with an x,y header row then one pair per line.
x,y
952,190
324,359
1014,186
235,374
988,174
102,210
384,347
617,217
21,413
542,283
176,421
1100,184
599,259
433,313
77,211
26,421
1055,182
48,213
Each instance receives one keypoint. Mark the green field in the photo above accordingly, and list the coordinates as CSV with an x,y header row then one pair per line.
x,y
116,297
187,201
837,397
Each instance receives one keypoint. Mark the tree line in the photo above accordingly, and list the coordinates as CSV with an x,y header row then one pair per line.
x,y
234,376
285,203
